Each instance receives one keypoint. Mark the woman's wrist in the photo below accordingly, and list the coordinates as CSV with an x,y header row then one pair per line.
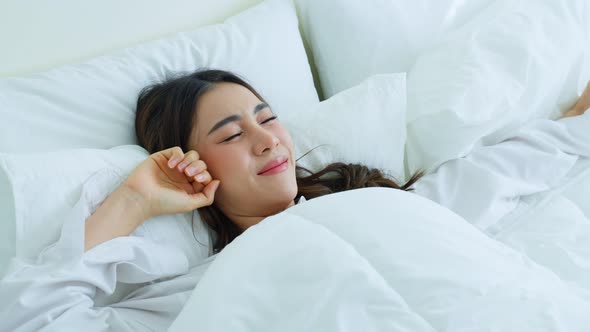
x,y
575,111
119,215
136,201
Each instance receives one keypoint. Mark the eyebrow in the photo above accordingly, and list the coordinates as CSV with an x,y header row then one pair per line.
x,y
236,117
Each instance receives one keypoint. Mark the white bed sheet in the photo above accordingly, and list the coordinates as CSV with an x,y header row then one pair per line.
x,y
553,228
579,194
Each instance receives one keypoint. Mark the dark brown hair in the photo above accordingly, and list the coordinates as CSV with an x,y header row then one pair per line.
x,y
164,119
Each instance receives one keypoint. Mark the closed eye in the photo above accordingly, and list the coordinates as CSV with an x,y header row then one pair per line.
x,y
231,137
269,119
240,134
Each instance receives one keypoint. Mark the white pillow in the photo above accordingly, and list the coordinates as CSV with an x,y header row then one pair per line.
x,y
44,186
92,105
500,70
351,40
7,224
475,68
364,124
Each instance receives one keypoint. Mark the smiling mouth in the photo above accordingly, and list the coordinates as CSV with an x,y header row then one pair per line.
x,y
274,169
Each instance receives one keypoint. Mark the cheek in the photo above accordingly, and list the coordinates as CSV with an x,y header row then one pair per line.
x,y
224,164
285,137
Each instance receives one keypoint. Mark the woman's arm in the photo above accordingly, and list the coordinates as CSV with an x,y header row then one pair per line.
x,y
57,292
581,105
119,215
61,297
159,185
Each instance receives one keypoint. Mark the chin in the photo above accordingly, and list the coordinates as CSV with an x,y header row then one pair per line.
x,y
287,195
285,187
283,200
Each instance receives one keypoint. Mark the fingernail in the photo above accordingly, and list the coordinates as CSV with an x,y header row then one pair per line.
x,y
191,170
200,177
172,162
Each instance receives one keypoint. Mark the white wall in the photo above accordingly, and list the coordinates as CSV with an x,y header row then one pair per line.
x,y
37,35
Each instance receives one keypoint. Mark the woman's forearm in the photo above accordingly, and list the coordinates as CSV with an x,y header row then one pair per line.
x,y
118,215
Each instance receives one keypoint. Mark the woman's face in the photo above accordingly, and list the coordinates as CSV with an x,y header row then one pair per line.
x,y
247,149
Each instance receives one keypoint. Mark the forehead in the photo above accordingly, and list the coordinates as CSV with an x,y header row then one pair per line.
x,y
224,99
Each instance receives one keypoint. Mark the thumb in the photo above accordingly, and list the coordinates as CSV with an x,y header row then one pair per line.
x,y
207,195
171,155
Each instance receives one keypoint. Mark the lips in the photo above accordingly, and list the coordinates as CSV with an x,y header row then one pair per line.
x,y
277,162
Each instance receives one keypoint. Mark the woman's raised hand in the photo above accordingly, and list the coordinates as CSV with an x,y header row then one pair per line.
x,y
171,181
582,105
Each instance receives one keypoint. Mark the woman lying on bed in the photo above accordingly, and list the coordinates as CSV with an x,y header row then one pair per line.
x,y
217,146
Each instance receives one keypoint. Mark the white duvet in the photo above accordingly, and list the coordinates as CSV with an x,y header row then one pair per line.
x,y
378,260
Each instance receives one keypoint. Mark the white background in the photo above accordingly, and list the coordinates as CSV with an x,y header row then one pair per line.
x,y
37,35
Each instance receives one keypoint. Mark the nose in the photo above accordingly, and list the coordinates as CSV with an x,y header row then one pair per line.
x,y
265,141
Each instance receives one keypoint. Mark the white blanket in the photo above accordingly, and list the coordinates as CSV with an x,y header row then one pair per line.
x,y
378,260
553,229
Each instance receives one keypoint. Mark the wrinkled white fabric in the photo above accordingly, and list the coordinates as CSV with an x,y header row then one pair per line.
x,y
57,292
488,183
376,259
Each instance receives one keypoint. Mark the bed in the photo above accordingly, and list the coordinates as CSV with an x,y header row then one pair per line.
x,y
436,82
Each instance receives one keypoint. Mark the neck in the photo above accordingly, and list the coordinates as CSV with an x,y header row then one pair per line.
x,y
244,221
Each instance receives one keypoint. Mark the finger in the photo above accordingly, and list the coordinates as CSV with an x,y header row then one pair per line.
x,y
195,168
197,186
207,196
203,177
174,155
189,157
